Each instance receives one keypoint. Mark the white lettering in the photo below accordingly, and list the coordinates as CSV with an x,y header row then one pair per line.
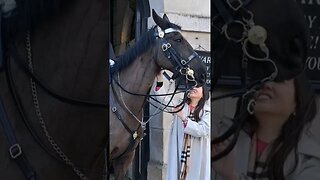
x,y
313,63
310,2
205,59
310,20
314,42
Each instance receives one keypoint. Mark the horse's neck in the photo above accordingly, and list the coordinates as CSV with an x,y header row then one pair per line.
x,y
69,54
139,77
69,51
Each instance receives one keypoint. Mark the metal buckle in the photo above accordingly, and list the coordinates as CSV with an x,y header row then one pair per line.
x,y
15,151
235,4
183,62
165,46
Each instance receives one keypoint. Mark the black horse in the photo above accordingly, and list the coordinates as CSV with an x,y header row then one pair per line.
x,y
132,75
54,89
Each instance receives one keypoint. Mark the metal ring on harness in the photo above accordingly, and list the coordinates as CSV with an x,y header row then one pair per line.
x,y
166,46
250,107
235,39
262,47
15,151
183,62
183,71
188,72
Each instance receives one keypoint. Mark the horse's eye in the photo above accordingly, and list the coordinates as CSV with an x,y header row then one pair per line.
x,y
177,40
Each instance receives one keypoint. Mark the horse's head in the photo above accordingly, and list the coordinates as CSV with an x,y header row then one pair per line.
x,y
282,31
176,54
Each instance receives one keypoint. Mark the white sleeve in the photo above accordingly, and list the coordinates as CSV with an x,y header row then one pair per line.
x,y
201,128
309,170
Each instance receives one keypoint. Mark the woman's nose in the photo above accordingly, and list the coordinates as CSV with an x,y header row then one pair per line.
x,y
267,85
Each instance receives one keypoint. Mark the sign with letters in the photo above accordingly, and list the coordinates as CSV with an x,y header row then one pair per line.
x,y
311,10
205,56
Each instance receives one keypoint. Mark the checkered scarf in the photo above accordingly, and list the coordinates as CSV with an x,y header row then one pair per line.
x,y
185,156
257,167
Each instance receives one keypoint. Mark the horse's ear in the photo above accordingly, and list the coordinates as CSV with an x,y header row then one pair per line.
x,y
165,17
158,20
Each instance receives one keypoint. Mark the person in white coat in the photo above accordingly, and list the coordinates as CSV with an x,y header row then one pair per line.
x,y
280,141
189,145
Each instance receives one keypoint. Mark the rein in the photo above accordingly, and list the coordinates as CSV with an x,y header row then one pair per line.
x,y
181,65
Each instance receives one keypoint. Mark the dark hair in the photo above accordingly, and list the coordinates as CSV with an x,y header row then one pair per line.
x,y
201,103
292,129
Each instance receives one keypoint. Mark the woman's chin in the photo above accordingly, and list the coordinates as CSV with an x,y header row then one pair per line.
x,y
263,107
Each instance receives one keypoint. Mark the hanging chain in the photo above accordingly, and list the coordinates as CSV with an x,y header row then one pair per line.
x,y
54,145
143,124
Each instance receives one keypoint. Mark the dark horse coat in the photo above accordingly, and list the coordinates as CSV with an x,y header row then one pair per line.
x,y
68,54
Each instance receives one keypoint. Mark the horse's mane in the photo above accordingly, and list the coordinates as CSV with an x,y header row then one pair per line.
x,y
144,43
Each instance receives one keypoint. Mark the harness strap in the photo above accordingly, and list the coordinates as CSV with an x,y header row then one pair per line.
x,y
223,11
114,109
133,134
15,149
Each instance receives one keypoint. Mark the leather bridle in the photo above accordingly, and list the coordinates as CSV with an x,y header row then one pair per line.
x,y
181,69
